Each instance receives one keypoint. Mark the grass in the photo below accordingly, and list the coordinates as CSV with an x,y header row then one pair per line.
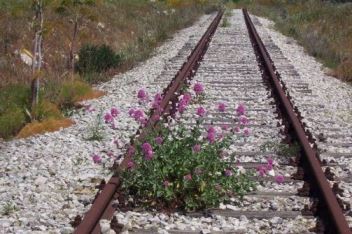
x,y
128,29
321,27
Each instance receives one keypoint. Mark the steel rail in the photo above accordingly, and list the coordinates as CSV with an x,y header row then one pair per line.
x,y
102,206
329,210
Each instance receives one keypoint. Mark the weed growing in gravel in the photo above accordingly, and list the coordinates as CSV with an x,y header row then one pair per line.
x,y
183,168
96,129
9,208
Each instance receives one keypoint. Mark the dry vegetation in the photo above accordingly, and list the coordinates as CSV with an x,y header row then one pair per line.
x,y
125,30
322,27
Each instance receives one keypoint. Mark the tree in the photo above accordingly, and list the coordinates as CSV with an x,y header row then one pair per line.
x,y
77,10
38,22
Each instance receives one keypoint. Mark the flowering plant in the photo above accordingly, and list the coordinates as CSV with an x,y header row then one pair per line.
x,y
184,169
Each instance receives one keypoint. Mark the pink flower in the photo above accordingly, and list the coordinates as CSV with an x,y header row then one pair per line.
x,y
279,179
201,111
130,164
211,137
157,102
108,118
237,129
244,120
158,140
188,177
228,172
246,132
138,115
110,154
225,127
262,170
270,161
142,95
222,107
269,167
241,109
212,129
166,183
196,148
131,112
96,159
114,112
183,103
147,150
198,88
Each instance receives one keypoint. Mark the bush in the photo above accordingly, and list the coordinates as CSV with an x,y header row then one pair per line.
x,y
46,110
11,122
99,59
70,92
171,172
14,96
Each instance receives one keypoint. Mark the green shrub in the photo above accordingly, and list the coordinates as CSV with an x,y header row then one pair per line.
x,y
14,95
46,110
11,122
94,58
70,92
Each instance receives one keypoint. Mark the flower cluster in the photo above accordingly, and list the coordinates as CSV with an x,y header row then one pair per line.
x,y
268,169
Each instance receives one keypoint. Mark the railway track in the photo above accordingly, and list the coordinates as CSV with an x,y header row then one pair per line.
x,y
235,68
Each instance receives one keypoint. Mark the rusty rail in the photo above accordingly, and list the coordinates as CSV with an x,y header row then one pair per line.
x,y
102,206
329,209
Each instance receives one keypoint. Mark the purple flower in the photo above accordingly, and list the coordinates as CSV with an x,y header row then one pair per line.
x,y
130,165
183,103
269,167
96,159
148,151
262,170
108,118
228,172
270,161
222,107
188,177
138,115
166,183
196,148
114,112
241,109
158,140
157,102
201,111
110,154
279,179
225,127
211,137
212,129
198,88
246,132
131,112
237,129
244,120
142,95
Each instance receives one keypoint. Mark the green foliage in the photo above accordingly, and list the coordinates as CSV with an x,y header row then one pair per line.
x,y
94,58
9,208
11,122
46,110
162,181
70,91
